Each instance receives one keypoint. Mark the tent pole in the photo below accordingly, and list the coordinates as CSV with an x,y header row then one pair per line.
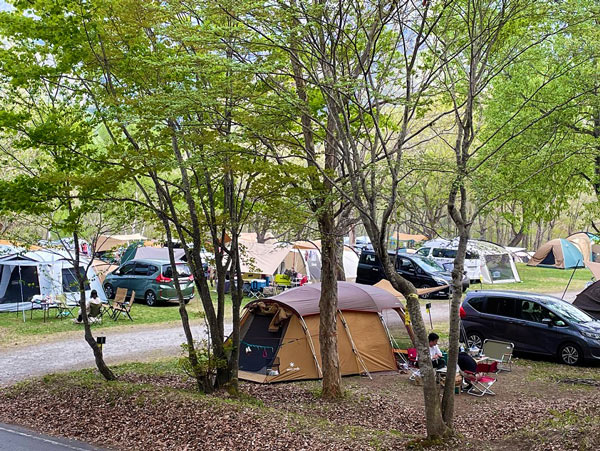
x,y
359,358
312,346
571,278
21,289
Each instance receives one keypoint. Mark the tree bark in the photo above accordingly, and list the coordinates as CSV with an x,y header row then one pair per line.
x,y
332,379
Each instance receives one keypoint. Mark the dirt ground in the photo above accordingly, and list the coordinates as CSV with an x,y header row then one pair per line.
x,y
533,409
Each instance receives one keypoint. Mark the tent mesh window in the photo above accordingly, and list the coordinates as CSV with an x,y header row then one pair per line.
x,y
69,280
258,346
23,284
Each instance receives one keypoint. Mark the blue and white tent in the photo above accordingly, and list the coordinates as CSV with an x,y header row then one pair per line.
x,y
558,253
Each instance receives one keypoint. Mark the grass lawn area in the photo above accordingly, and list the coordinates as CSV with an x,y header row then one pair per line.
x,y
543,280
13,330
154,406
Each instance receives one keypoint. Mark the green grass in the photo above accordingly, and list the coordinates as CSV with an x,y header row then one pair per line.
x,y
13,330
543,280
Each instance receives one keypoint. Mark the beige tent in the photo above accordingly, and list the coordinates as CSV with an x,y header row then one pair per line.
x,y
280,335
588,248
266,259
558,253
102,268
108,242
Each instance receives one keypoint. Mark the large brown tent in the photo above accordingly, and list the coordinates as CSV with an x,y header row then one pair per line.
x,y
280,335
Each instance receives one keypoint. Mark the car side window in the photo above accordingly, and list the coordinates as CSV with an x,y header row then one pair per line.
x,y
141,269
369,259
405,265
437,253
424,251
127,269
556,320
449,253
497,305
152,269
478,304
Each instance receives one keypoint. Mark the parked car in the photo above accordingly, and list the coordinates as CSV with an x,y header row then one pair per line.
x,y
445,257
534,323
152,281
421,272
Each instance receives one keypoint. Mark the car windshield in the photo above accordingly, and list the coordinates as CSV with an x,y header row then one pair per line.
x,y
182,270
428,264
568,312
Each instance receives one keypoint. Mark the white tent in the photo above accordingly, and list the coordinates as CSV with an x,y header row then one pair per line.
x,y
311,252
485,260
45,273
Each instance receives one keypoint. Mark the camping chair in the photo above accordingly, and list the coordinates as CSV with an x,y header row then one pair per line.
x,y
282,281
95,315
120,297
499,352
63,309
124,307
480,383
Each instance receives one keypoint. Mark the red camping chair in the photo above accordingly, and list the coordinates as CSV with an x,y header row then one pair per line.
x,y
480,383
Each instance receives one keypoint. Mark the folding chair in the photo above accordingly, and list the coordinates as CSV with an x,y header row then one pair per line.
x,y
499,352
124,307
63,309
120,297
95,315
480,384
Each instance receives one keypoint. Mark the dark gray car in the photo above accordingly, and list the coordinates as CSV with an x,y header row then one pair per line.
x,y
534,323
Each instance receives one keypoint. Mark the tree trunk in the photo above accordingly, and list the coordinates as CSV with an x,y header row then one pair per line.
x,y
517,238
454,333
89,338
433,415
332,379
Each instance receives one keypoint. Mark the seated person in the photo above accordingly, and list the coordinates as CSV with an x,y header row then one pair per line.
x,y
94,299
434,351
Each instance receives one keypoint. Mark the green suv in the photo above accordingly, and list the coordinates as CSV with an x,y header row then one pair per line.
x,y
152,281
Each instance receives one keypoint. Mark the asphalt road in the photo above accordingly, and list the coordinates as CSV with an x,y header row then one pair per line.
x,y
15,438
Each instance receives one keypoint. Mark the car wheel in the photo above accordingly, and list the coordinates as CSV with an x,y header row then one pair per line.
x,y
187,300
150,298
109,291
570,354
426,296
475,339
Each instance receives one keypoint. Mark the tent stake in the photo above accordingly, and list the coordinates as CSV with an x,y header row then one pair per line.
x,y
571,278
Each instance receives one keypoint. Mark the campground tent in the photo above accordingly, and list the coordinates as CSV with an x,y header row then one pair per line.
x,y
558,253
280,335
589,300
587,245
106,243
311,253
154,253
45,273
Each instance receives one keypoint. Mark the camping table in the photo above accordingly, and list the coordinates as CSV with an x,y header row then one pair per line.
x,y
46,306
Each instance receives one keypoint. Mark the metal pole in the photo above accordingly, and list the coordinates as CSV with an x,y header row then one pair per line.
x,y
21,288
571,278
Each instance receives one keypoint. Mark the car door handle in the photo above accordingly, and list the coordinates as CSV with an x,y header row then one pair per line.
x,y
374,269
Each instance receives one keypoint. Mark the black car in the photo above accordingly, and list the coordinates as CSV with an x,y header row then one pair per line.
x,y
534,323
422,272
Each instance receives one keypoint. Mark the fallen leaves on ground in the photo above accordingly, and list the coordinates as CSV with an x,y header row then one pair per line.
x,y
149,411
